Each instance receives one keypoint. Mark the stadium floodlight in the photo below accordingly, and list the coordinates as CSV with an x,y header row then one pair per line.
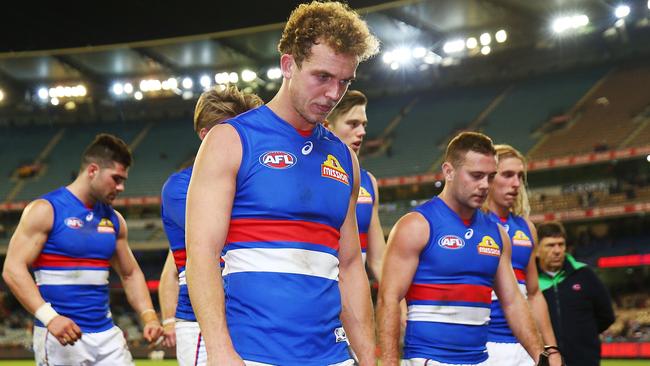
x,y
274,73
187,83
81,90
169,84
471,43
563,24
648,157
42,93
138,95
233,78
431,58
2,95
648,4
394,65
419,52
248,75
485,39
128,88
205,81
59,91
622,11
454,46
54,101
221,78
401,54
485,50
118,88
501,36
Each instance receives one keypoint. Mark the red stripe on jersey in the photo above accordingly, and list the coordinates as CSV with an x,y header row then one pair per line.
x,y
180,257
520,274
56,260
447,292
259,230
363,239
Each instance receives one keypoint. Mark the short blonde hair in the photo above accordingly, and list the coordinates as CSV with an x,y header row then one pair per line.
x,y
332,23
522,205
218,105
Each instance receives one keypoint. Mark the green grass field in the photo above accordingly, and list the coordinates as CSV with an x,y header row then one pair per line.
x,y
173,362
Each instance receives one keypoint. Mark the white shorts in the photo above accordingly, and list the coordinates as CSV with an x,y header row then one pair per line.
x,y
104,348
190,347
427,362
344,363
508,354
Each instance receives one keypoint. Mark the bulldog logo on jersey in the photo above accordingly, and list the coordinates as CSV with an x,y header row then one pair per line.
x,y
278,159
521,239
105,226
488,246
364,196
73,223
331,168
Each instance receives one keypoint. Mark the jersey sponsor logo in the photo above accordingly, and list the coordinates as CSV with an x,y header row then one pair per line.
x,y
105,226
451,242
331,168
73,223
278,159
90,216
340,335
521,239
488,246
469,233
309,146
364,196
576,287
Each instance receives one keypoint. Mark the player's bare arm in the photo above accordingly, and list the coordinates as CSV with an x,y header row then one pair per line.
x,y
168,299
209,205
406,241
376,242
24,247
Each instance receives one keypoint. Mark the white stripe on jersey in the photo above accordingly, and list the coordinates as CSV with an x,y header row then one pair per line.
x,y
522,289
467,315
182,280
282,260
71,277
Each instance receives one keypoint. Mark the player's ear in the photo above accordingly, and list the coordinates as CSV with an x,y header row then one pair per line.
x,y
448,171
287,65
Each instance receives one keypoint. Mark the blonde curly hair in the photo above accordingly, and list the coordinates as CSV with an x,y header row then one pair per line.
x,y
331,23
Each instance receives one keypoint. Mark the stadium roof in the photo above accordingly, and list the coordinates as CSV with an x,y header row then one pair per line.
x,y
100,42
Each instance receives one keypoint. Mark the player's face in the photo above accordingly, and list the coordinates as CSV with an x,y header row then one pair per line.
x,y
350,127
509,179
318,85
551,252
472,179
108,182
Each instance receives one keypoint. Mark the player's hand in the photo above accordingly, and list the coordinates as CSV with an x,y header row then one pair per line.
x,y
64,330
226,359
169,335
152,331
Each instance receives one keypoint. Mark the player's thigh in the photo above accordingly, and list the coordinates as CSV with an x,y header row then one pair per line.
x,y
48,350
111,348
428,362
190,346
508,354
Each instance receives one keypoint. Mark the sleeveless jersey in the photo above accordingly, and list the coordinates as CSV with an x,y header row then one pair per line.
x,y
522,248
364,209
72,270
281,253
174,198
449,299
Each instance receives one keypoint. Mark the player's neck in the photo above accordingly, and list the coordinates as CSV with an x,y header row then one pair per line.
x,y
281,106
463,211
499,210
81,190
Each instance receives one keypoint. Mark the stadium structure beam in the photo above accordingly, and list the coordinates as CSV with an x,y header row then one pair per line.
x,y
156,57
85,71
409,19
526,15
10,83
251,55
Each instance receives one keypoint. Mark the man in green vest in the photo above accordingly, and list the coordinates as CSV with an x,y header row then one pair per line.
x,y
578,302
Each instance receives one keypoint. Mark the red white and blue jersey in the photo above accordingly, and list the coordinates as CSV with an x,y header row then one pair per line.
x,y
364,209
522,248
449,298
281,254
72,270
174,199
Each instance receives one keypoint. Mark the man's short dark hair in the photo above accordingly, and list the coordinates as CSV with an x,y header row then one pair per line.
x,y
105,150
551,229
465,142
